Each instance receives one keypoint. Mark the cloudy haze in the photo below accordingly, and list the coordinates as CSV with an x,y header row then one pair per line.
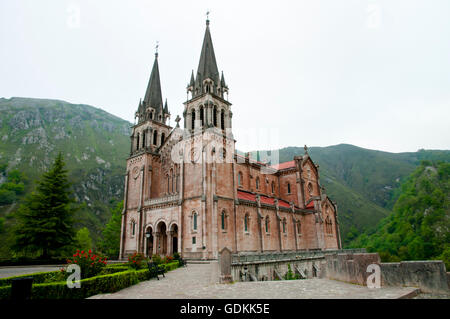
x,y
371,73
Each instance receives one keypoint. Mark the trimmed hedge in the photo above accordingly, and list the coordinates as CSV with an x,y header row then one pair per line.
x,y
38,278
108,283
170,266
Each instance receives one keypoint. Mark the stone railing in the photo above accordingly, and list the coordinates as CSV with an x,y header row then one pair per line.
x,y
256,257
162,200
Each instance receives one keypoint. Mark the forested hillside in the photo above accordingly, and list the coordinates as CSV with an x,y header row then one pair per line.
x,y
419,227
95,145
364,183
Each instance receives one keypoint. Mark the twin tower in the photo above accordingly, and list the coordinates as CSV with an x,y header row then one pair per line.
x,y
209,82
188,191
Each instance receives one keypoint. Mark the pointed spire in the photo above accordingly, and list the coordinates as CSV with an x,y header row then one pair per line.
x,y
192,82
207,66
166,108
222,81
140,107
153,96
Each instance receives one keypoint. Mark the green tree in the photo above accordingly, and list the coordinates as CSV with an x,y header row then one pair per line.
x,y
83,239
45,219
7,197
110,244
419,227
2,222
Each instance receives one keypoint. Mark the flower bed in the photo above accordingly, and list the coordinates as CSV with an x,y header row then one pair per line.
x,y
109,283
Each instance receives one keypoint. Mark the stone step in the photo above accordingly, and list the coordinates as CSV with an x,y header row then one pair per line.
x,y
199,261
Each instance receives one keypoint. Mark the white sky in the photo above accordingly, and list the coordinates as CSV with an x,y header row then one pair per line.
x,y
371,73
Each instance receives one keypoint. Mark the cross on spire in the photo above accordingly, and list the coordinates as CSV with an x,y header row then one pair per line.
x,y
178,119
207,17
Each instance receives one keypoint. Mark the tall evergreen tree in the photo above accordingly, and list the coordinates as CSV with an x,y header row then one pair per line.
x,y
45,220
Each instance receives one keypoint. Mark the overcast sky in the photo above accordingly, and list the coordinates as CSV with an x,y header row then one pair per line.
x,y
371,73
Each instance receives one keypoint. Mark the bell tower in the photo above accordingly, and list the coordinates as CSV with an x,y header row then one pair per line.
x,y
151,128
206,105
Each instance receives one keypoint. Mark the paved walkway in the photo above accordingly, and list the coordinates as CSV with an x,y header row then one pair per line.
x,y
9,271
200,281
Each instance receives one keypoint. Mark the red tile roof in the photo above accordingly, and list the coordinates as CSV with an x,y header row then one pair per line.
x,y
246,196
264,199
310,205
284,165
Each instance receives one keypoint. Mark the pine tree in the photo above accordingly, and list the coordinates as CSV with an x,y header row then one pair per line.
x,y
45,220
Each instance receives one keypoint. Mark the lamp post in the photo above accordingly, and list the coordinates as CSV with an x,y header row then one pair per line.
x,y
147,235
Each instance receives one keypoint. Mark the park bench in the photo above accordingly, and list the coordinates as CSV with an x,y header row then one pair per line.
x,y
155,271
182,262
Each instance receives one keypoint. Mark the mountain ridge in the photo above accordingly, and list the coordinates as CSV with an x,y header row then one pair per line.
x,y
96,144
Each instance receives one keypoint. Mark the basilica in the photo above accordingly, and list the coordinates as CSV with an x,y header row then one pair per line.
x,y
187,190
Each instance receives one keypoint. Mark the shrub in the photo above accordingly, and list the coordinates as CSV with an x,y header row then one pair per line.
x,y
170,266
167,259
136,261
157,259
40,277
107,283
90,264
176,256
290,274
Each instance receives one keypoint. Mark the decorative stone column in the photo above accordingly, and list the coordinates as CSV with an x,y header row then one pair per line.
x,y
156,238
169,234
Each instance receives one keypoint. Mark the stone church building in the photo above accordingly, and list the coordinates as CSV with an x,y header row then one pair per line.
x,y
188,191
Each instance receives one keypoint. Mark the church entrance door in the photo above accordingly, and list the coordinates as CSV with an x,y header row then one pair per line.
x,y
162,243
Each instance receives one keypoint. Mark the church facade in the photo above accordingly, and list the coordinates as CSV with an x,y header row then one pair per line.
x,y
188,191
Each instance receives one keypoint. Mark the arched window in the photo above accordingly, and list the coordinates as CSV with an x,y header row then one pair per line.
x,y
223,217
222,120
202,115
299,228
240,179
284,225
267,224
155,137
329,225
171,177
273,187
310,188
193,119
137,142
143,139
215,116
246,222
288,188
133,228
168,184
194,221
257,183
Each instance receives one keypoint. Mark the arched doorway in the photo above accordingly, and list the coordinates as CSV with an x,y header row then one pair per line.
x,y
149,239
162,240
174,234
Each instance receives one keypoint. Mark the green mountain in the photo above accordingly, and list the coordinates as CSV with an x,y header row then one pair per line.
x,y
363,182
94,143
419,227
